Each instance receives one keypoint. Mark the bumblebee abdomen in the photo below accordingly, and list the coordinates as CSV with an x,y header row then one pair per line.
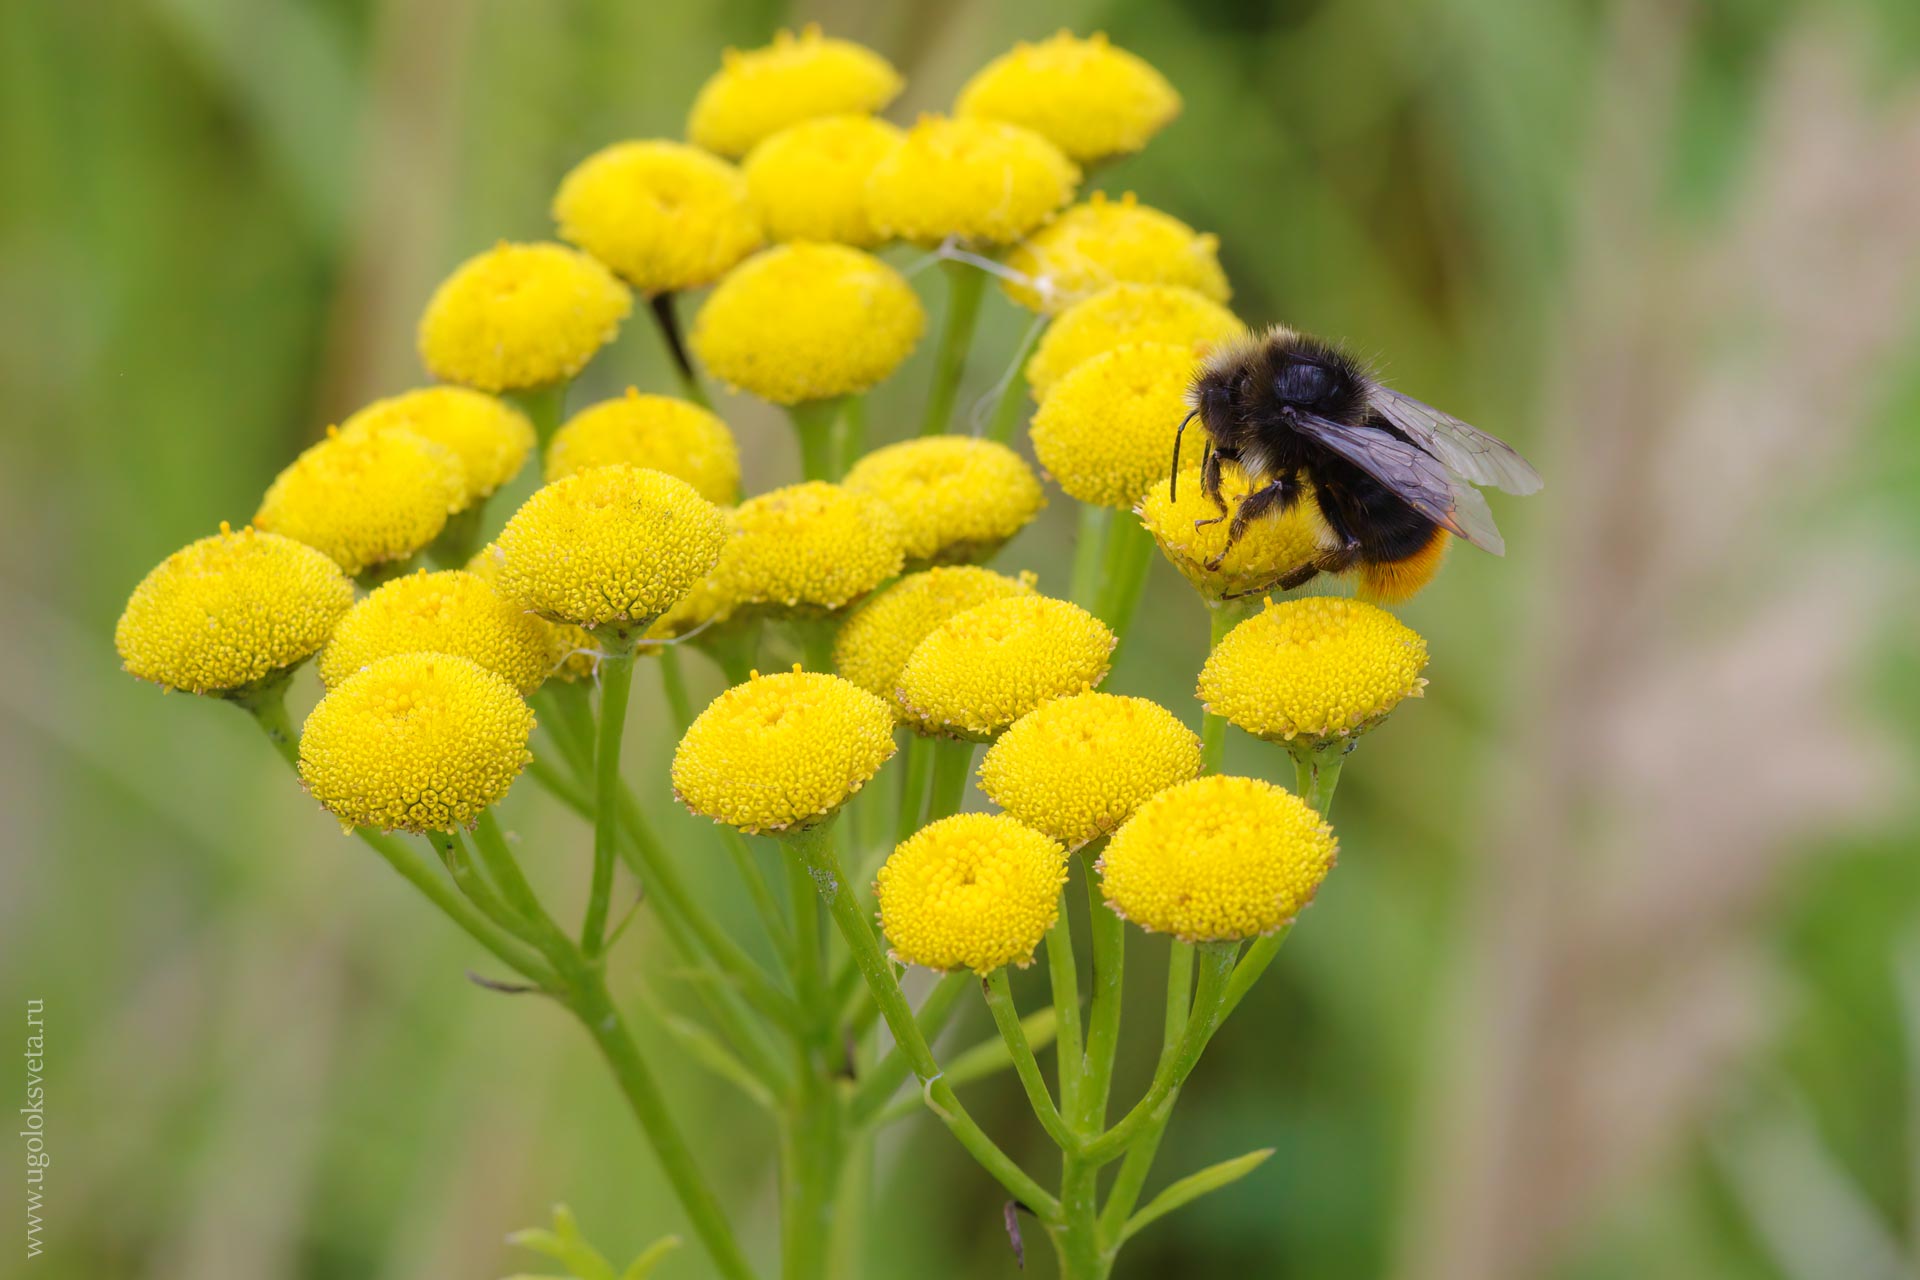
x,y
1393,581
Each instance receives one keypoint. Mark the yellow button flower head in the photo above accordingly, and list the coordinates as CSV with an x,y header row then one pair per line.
x,y
228,611
451,612
1077,767
875,642
491,438
663,215
415,742
1095,244
572,652
614,546
975,891
980,180
1217,859
758,92
1105,431
808,322
809,181
812,546
782,752
658,432
1272,546
521,316
367,499
984,668
957,498
1123,313
1088,98
1322,668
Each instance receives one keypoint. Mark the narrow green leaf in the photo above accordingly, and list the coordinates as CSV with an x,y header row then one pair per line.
x,y
642,1267
1192,1187
707,1049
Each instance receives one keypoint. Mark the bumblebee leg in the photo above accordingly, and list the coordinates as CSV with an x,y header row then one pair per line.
x,y
1210,486
1280,492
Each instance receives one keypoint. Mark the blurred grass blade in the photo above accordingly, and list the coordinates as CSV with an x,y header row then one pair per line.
x,y
706,1049
643,1266
1192,1187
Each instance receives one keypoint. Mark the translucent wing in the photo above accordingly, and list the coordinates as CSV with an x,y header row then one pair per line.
x,y
1469,452
1415,476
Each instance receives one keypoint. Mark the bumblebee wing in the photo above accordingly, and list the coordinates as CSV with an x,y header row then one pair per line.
x,y
1414,476
1468,451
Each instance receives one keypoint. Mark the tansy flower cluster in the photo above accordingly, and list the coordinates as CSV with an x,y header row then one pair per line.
x,y
1320,668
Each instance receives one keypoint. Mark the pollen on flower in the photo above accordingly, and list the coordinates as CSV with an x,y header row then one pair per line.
x,y
415,742
758,92
230,610
875,642
1322,667
572,653
1217,859
956,498
813,546
808,322
664,215
985,181
1102,242
1271,546
809,181
1091,100
490,437
1123,313
982,669
366,499
657,432
1105,431
1077,767
782,752
451,612
975,891
520,316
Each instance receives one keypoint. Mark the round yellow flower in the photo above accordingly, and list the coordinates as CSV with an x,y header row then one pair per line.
x,y
975,891
875,642
664,215
658,432
980,180
782,752
1124,313
1270,548
758,92
415,742
521,316
614,546
1095,244
982,669
1322,667
367,499
452,612
229,611
811,546
572,652
491,438
1077,767
1217,859
808,322
809,181
1105,432
1085,96
957,498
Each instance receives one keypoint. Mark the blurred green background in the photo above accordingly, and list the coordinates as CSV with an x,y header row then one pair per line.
x,y
1619,974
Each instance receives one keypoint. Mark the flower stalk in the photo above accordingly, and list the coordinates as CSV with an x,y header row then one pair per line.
x,y
966,285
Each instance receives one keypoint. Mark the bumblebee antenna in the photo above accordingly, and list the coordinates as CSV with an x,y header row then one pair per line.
x,y
1173,481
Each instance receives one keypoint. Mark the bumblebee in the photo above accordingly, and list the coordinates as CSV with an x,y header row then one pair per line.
x,y
1392,477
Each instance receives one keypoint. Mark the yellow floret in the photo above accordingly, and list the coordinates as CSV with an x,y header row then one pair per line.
x,y
957,498
1090,99
975,891
874,644
984,181
1105,432
229,611
1124,313
812,546
758,92
415,742
1103,241
1077,767
1272,545
1217,859
982,669
782,752
366,500
659,432
664,215
1322,667
521,316
809,181
452,612
572,652
614,546
808,322
491,438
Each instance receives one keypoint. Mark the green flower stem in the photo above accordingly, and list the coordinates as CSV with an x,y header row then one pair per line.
x,y
1063,973
267,704
952,765
1129,559
918,768
1127,1184
813,423
545,407
812,1135
1222,616
567,715
1006,1018
966,285
846,1250
503,870
666,322
1013,396
809,958
616,683
772,919
1103,1009
1083,1256
458,861
673,683
460,536
874,1092
1088,546
852,441
1316,774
